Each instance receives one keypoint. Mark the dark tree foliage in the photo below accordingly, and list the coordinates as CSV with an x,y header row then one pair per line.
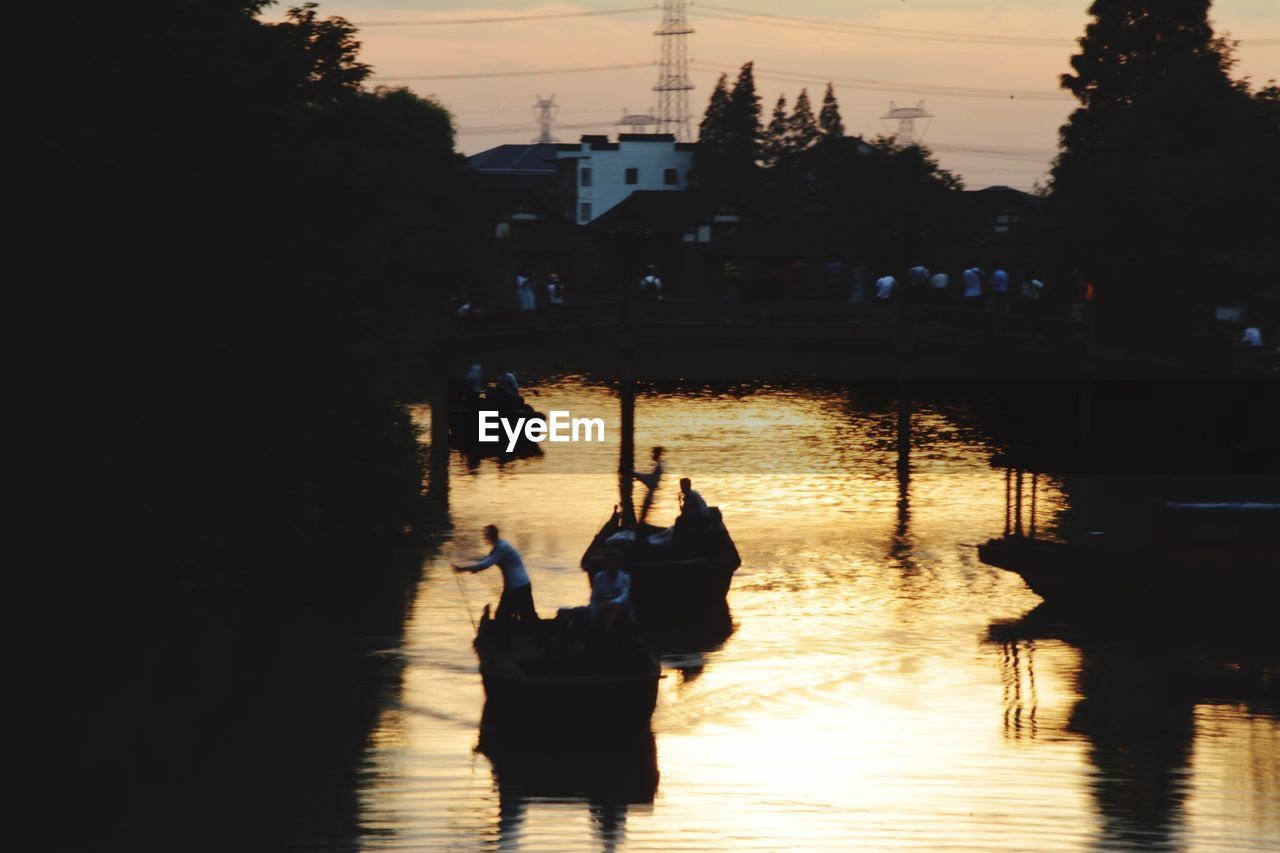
x,y
774,145
1165,188
829,120
730,136
803,132
882,201
224,271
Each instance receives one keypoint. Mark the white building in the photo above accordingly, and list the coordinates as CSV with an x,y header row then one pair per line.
x,y
607,173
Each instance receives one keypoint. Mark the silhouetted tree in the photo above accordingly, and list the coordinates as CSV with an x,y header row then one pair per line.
x,y
230,254
775,142
803,127
1157,173
872,192
729,138
829,117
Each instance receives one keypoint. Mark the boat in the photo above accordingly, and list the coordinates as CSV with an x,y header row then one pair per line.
x,y
464,424
1200,556
544,679
677,583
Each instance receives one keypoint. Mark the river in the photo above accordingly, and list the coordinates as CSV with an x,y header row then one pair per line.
x,y
881,689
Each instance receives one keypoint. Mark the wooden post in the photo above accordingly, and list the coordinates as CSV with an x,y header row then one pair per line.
x,y
1008,484
1017,516
627,443
1034,477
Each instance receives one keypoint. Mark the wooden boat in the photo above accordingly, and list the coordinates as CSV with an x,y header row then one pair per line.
x,y
676,583
464,427
1202,556
542,680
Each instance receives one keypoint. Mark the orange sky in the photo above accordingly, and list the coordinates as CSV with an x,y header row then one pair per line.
x,y
1016,136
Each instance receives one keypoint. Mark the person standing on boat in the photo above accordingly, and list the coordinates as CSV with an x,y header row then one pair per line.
x,y
517,591
652,480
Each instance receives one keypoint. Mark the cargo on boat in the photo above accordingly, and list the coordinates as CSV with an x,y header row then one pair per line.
x,y
464,424
677,578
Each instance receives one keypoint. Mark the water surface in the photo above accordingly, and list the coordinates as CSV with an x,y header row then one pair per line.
x,y
882,688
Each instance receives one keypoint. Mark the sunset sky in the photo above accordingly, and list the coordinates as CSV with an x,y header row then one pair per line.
x,y
1014,137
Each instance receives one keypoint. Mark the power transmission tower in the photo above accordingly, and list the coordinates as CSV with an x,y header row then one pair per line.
x,y
906,119
545,112
673,85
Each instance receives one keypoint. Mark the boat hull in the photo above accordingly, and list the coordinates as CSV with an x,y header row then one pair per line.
x,y
1200,579
670,589
545,693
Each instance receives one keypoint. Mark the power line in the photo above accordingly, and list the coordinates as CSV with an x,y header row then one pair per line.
x,y
892,86
1013,155
526,126
746,17
524,73
503,19
727,13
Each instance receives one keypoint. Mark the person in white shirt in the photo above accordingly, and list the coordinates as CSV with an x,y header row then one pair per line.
x,y
555,290
1252,337
972,286
939,284
610,597
653,480
525,300
516,602
651,284
884,288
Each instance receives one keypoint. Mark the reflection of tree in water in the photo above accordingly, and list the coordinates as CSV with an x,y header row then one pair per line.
x,y
1139,683
1141,728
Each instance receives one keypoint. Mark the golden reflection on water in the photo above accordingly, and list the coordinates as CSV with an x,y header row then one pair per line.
x,y
858,704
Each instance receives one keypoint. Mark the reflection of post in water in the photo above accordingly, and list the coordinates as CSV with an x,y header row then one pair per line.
x,y
904,453
438,457
900,545
1018,689
1138,684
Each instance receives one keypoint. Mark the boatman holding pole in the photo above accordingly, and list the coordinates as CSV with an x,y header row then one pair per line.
x,y
517,591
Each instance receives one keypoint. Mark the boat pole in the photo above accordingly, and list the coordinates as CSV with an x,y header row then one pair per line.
x,y
465,602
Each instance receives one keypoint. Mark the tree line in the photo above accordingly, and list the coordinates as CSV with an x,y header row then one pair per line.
x,y
224,268
1165,193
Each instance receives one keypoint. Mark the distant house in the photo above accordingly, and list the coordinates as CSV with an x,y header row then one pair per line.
x,y
539,196
1000,209
607,173
524,183
585,179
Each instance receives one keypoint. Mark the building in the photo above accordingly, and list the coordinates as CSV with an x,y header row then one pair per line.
x,y
583,180
607,173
